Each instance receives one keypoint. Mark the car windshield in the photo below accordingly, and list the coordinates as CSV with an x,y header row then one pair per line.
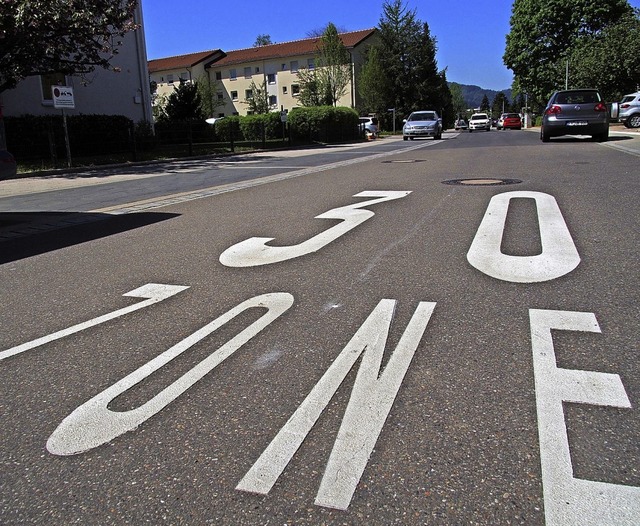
x,y
478,117
425,116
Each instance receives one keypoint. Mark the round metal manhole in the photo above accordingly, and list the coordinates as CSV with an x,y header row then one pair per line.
x,y
406,161
482,182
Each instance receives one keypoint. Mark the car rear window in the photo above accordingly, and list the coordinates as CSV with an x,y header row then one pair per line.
x,y
512,116
577,97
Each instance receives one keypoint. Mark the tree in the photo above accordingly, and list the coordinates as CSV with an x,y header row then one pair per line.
x,y
544,32
458,103
184,103
499,105
327,83
46,36
484,105
372,80
262,40
208,93
259,101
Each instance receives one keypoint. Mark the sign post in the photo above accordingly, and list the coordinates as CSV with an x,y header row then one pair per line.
x,y
63,98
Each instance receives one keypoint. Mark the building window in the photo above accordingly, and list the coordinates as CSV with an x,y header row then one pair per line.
x,y
220,96
247,73
271,78
295,90
170,79
233,74
273,100
184,76
51,79
234,95
294,66
248,94
284,67
220,115
311,63
284,90
257,69
218,75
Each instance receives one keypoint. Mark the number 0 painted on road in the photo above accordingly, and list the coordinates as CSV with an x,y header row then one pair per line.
x,y
559,254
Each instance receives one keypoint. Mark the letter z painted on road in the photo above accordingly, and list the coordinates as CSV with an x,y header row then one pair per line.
x,y
254,251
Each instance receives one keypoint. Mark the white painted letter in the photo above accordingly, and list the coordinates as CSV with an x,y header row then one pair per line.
x,y
93,424
153,291
254,251
559,255
371,400
569,501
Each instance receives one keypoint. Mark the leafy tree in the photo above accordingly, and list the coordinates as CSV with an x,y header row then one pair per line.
x,y
407,54
544,32
608,60
184,103
259,101
327,83
372,80
484,105
457,99
262,40
499,105
207,91
45,36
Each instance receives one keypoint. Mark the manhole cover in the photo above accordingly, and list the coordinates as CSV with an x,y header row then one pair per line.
x,y
406,161
482,182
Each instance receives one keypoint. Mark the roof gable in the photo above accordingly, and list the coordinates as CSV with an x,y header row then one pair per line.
x,y
183,61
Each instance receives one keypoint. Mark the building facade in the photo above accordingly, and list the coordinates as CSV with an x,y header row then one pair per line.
x,y
122,92
276,66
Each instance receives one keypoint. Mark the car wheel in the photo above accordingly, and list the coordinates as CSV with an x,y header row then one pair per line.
x,y
411,138
634,121
470,131
601,137
405,138
544,137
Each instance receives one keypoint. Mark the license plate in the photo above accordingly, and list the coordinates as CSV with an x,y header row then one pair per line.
x,y
577,123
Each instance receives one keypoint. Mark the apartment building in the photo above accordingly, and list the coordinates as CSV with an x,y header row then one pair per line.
x,y
276,65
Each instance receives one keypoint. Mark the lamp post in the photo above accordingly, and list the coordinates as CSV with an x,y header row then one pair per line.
x,y
393,110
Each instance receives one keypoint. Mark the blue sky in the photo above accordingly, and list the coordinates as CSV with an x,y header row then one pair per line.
x,y
470,33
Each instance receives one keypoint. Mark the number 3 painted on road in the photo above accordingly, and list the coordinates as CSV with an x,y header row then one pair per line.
x,y
254,251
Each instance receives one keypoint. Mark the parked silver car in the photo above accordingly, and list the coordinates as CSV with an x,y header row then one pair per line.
x,y
369,126
424,123
575,112
629,110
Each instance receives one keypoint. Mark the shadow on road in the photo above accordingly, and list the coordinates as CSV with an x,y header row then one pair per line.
x,y
26,234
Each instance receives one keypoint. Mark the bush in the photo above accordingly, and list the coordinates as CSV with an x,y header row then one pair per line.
x,y
324,123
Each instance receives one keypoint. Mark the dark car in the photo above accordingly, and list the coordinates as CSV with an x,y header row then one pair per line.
x,y
575,112
8,167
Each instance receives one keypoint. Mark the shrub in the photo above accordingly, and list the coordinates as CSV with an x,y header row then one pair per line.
x,y
323,123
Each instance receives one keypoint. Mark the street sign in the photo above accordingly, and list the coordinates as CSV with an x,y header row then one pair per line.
x,y
63,97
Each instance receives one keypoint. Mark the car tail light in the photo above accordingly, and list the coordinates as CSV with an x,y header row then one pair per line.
x,y
600,107
625,106
553,110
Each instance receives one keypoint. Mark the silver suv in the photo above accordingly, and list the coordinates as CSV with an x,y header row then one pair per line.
x,y
629,110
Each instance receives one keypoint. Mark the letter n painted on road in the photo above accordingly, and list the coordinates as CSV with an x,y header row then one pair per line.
x,y
559,254
371,400
570,501
93,424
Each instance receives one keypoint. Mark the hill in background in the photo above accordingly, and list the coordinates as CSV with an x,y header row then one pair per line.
x,y
473,94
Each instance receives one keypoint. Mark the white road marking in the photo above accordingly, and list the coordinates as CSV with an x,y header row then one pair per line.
x,y
570,501
371,399
254,251
559,254
93,424
153,291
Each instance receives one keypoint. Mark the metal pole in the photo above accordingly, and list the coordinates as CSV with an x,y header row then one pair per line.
x,y
566,77
66,138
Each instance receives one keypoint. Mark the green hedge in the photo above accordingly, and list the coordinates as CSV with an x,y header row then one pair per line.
x,y
323,124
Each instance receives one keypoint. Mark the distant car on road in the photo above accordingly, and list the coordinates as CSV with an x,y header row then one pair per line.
x,y
461,124
575,112
369,126
509,120
629,110
424,123
479,121
8,166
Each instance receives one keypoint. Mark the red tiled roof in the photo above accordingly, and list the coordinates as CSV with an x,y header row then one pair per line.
x,y
287,49
181,61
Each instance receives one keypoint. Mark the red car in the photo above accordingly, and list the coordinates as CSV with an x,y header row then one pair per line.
x,y
509,120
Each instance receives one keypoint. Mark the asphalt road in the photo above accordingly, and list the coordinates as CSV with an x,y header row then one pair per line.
x,y
189,343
